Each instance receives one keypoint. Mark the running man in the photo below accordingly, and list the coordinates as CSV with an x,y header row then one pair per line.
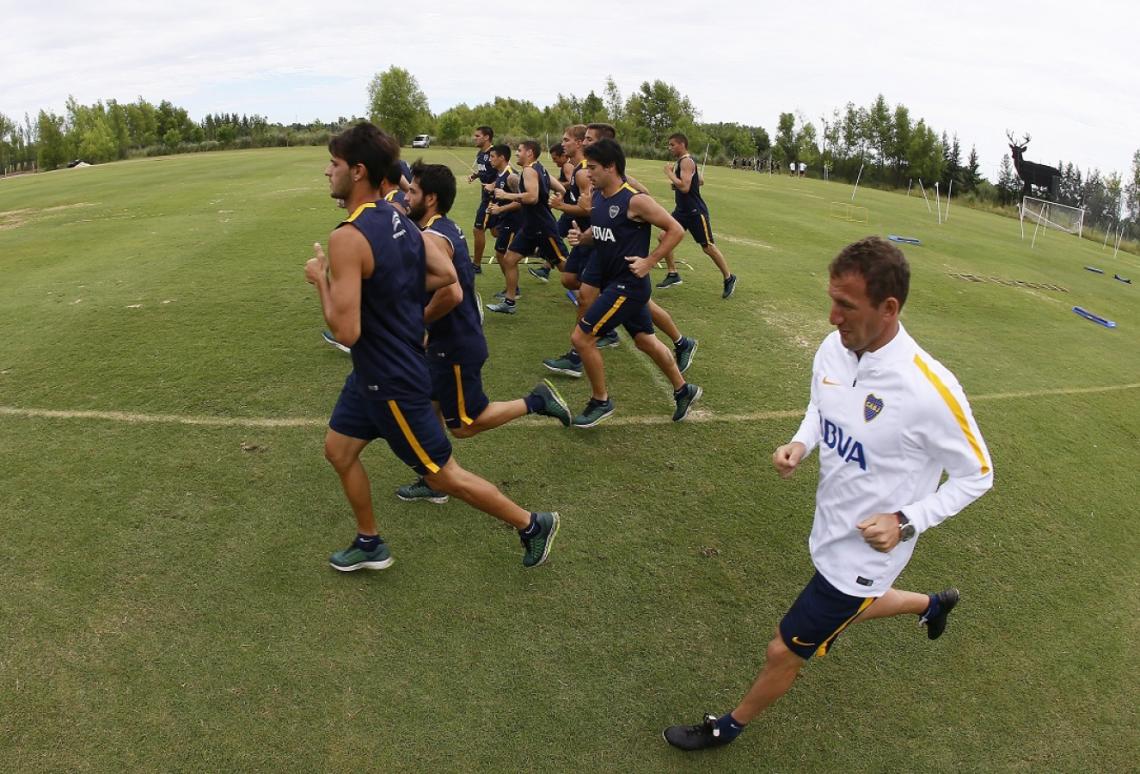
x,y
620,221
692,213
371,288
684,347
539,229
888,420
503,220
456,347
484,172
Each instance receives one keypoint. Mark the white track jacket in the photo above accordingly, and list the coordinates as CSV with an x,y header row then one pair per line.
x,y
887,425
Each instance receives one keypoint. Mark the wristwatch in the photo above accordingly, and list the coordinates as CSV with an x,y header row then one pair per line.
x,y
906,529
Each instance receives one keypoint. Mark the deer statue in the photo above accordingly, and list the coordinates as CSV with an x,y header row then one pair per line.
x,y
1032,174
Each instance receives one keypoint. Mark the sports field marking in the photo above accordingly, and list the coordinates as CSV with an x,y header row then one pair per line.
x,y
697,415
743,241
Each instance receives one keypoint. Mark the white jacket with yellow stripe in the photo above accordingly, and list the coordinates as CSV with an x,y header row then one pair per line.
x,y
887,425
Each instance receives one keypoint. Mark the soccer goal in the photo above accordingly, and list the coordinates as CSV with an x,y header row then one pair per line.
x,y
1049,215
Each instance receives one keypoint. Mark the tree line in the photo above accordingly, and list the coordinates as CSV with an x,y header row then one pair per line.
x,y
880,144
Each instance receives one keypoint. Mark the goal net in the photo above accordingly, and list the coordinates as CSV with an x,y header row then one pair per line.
x,y
1043,214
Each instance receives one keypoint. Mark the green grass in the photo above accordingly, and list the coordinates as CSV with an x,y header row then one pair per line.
x,y
164,598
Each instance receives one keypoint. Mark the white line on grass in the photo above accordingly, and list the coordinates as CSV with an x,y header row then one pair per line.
x,y
697,415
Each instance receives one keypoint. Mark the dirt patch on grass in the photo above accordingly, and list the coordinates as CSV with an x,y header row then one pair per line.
x,y
743,241
16,218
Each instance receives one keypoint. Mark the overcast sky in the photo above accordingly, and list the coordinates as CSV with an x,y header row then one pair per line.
x,y
1065,72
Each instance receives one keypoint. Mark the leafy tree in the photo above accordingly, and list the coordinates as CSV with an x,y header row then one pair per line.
x,y
879,131
396,102
1132,190
51,149
806,149
594,109
7,130
658,109
786,138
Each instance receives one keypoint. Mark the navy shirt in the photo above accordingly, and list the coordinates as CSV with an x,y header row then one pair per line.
x,y
691,201
457,337
617,236
507,220
537,217
484,171
397,197
406,171
573,193
388,357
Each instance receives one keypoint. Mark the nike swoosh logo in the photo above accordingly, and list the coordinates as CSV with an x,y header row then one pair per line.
x,y
797,641
834,384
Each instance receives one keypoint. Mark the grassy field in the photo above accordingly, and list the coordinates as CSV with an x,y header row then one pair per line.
x,y
166,513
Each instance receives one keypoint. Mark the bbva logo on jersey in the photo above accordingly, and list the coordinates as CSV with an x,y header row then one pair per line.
x,y
848,449
603,233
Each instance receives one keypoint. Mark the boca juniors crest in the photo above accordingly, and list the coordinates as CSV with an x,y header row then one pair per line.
x,y
614,210
872,407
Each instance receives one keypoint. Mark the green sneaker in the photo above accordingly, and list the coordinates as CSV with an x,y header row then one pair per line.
x,y
355,558
595,412
609,340
537,548
690,394
541,274
671,279
419,490
566,365
684,353
552,403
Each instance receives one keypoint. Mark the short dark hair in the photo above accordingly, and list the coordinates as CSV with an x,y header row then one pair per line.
x,y
436,179
608,153
557,150
603,130
369,145
487,131
678,136
502,150
394,173
533,147
881,265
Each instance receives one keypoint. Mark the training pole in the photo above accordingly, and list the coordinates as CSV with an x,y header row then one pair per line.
x,y
857,179
909,183
949,191
1107,231
1119,236
925,198
938,202
705,162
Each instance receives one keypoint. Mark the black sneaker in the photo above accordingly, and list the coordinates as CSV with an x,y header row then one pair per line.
x,y
595,412
946,601
729,286
699,737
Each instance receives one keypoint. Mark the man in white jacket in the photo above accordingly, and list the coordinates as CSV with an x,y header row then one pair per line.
x,y
888,420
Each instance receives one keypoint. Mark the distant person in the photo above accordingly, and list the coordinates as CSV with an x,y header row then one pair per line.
x,y
692,213
484,137
538,230
371,288
803,168
888,419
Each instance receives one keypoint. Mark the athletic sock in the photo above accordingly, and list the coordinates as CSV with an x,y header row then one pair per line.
x,y
574,357
510,301
531,529
728,727
534,402
680,340
678,393
367,543
932,609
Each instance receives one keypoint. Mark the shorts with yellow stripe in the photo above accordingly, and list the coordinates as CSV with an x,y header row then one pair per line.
x,y
697,223
546,243
616,305
458,387
818,616
409,425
